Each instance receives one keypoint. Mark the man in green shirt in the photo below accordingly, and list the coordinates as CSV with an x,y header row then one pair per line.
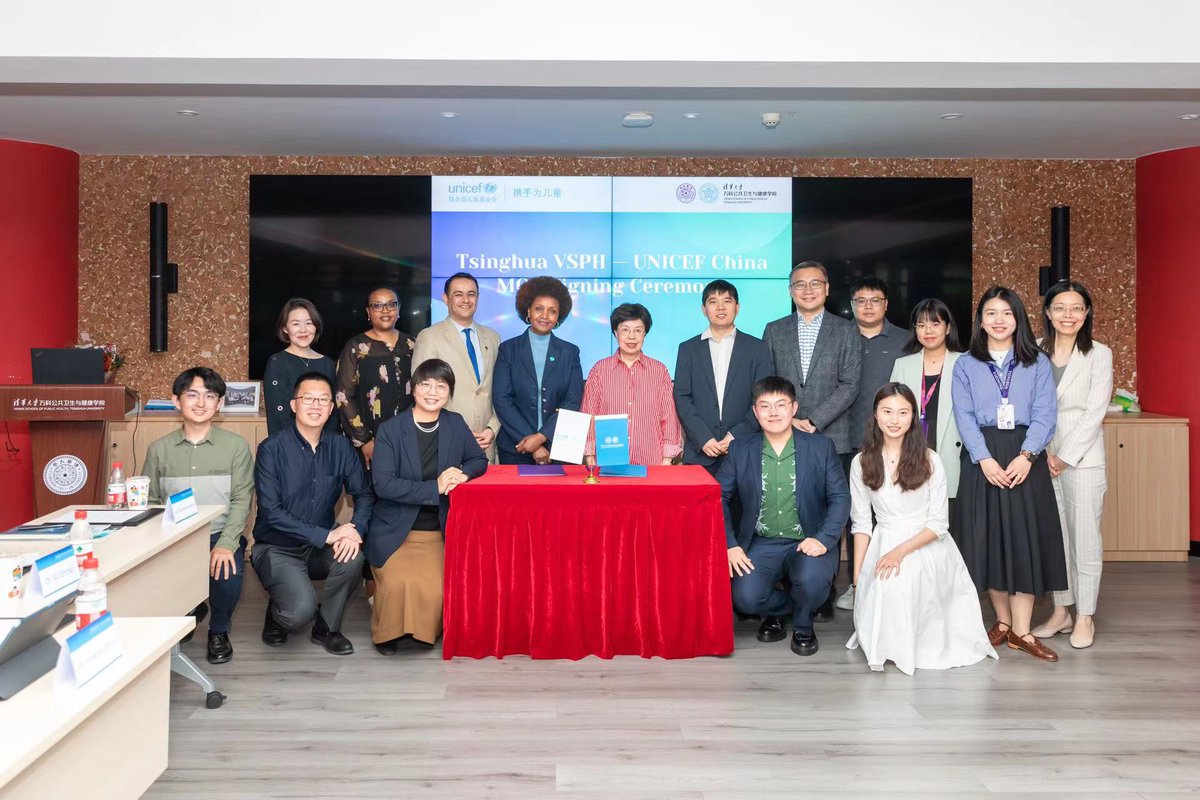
x,y
795,502
218,467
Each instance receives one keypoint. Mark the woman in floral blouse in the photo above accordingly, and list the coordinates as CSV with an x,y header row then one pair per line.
x,y
373,373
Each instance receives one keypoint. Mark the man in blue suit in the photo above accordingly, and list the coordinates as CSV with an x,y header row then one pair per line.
x,y
714,373
795,502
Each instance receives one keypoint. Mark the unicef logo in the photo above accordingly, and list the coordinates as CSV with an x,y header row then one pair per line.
x,y
65,475
612,439
489,188
709,193
685,193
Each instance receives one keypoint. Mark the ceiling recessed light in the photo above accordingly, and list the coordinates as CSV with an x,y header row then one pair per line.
x,y
637,119
1189,117
187,112
691,115
950,116
449,114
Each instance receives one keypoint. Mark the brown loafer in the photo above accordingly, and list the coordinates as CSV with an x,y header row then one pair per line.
x,y
1032,645
997,635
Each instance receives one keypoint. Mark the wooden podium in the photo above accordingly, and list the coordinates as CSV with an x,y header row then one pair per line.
x,y
66,433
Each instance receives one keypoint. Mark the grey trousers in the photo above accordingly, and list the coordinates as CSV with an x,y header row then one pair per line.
x,y
1080,495
287,574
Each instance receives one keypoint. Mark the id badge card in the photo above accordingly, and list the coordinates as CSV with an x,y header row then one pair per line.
x,y
1006,417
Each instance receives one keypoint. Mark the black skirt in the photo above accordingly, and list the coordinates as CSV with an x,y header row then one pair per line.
x,y
1010,539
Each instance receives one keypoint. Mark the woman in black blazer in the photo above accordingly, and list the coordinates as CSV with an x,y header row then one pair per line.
x,y
420,456
536,374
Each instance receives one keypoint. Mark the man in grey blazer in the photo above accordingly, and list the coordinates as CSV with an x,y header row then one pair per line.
x,y
821,353
714,375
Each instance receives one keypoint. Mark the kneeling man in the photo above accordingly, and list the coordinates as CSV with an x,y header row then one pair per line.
x,y
299,474
795,502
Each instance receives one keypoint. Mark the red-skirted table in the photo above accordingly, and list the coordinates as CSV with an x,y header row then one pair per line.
x,y
554,568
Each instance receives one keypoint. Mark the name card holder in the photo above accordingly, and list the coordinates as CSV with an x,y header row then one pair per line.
x,y
52,576
88,652
181,506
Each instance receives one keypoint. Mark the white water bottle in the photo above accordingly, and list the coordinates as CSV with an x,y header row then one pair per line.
x,y
117,497
81,538
92,601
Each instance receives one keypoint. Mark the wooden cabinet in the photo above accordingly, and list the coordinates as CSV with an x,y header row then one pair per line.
x,y
1146,509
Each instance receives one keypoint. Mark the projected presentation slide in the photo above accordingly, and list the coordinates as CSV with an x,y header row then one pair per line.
x,y
654,241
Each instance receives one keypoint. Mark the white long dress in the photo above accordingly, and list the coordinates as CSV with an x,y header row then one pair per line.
x,y
927,616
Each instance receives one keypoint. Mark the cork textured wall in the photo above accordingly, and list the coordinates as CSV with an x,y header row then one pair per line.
x,y
209,235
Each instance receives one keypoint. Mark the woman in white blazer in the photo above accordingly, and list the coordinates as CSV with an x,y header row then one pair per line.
x,y
1084,379
933,349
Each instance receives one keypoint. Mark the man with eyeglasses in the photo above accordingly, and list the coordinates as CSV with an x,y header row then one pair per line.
x,y
882,343
218,467
471,350
820,354
299,476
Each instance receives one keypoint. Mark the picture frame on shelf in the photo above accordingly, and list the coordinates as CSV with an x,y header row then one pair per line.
x,y
242,397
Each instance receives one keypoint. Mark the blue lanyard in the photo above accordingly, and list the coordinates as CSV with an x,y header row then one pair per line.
x,y
1007,382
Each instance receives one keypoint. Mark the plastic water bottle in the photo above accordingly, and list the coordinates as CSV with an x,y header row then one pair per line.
x,y
81,538
92,602
117,496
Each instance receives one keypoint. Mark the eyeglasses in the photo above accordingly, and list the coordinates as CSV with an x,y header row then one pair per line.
x,y
783,406
319,402
433,387
193,396
1076,311
389,306
815,285
863,302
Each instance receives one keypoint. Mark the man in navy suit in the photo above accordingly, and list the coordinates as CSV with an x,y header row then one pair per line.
x,y
795,502
714,373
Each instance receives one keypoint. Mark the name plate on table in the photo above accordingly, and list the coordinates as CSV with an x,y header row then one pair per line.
x,y
53,575
180,506
612,440
88,652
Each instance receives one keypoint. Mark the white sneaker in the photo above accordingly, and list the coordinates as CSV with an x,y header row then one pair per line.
x,y
845,600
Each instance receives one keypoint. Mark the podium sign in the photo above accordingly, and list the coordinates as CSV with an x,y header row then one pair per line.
x,y
66,433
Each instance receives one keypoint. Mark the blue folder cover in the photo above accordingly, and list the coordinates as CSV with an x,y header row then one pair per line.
x,y
540,470
612,440
623,471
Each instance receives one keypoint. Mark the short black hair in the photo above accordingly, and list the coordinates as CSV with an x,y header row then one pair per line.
x,y
773,384
313,376
1083,338
809,265
928,310
1025,349
719,286
213,382
382,288
870,283
434,369
627,312
292,305
543,286
456,276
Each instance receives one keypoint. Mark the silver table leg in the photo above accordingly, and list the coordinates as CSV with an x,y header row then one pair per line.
x,y
183,665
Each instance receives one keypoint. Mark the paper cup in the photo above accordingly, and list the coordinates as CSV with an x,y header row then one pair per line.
x,y
138,488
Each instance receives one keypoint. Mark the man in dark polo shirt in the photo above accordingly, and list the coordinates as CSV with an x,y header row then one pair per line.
x,y
882,343
299,474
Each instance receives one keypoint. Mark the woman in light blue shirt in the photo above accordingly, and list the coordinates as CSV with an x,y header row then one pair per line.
x,y
1006,411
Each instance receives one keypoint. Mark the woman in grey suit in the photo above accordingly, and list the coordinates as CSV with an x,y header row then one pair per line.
x,y
1084,381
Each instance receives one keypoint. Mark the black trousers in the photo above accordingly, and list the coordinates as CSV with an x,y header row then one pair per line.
x,y
287,573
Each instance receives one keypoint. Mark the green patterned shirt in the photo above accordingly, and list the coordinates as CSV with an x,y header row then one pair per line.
x,y
777,517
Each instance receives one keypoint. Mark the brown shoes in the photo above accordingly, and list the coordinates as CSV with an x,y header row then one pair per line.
x,y
997,635
1032,645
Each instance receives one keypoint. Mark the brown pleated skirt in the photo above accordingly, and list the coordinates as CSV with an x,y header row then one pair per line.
x,y
408,590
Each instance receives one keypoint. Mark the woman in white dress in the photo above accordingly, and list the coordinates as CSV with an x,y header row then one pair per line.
x,y
915,605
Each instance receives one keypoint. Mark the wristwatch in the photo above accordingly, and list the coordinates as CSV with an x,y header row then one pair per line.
x,y
1030,455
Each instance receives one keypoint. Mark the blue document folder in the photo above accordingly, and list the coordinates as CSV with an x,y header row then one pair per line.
x,y
623,471
612,440
540,470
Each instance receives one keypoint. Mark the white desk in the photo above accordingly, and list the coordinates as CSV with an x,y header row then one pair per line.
x,y
106,739
152,570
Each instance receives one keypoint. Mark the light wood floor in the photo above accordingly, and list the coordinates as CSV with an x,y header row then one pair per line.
x,y
1121,720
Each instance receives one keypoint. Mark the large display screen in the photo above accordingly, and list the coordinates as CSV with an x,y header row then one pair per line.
x,y
654,241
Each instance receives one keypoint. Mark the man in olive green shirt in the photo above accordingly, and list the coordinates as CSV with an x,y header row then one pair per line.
x,y
218,467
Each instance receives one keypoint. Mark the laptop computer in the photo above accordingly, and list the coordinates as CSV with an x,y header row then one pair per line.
x,y
74,365
28,650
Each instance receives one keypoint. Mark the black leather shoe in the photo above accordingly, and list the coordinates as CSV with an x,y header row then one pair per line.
x,y
332,641
772,630
273,634
804,644
219,648
199,612
388,648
